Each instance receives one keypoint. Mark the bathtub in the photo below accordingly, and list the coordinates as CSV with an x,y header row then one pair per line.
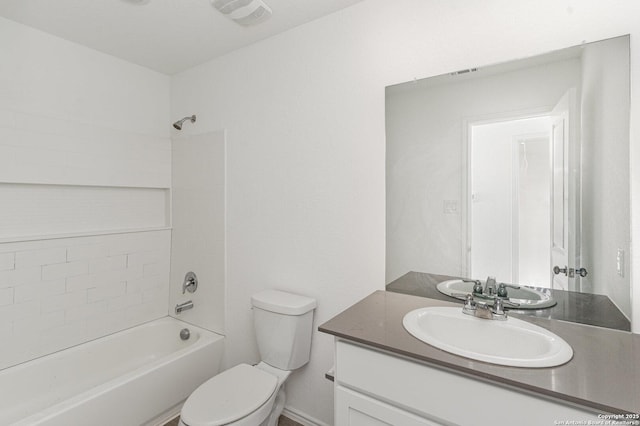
x,y
139,376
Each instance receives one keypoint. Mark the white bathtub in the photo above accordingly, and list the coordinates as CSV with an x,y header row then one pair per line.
x,y
139,376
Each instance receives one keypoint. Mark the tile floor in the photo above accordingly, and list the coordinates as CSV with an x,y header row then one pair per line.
x,y
286,421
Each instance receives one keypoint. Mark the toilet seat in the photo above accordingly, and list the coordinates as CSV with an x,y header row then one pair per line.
x,y
229,396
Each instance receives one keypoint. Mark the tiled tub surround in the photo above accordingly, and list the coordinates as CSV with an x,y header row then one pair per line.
x,y
603,376
57,293
112,380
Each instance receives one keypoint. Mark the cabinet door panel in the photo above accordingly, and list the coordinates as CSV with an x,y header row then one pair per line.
x,y
439,394
355,409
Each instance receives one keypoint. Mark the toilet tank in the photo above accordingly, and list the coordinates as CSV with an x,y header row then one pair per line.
x,y
283,324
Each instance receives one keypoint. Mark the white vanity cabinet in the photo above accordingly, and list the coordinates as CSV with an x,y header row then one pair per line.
x,y
356,409
376,388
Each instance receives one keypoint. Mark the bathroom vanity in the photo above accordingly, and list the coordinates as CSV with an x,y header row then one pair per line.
x,y
386,376
583,308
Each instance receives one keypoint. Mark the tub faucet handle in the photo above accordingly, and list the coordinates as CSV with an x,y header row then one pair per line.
x,y
190,283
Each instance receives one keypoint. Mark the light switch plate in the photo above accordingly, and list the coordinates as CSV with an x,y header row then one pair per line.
x,y
450,206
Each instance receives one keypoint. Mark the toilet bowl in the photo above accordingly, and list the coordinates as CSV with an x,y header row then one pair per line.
x,y
242,395
248,395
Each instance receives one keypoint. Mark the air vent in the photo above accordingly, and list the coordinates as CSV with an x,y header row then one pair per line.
x,y
244,12
138,2
463,71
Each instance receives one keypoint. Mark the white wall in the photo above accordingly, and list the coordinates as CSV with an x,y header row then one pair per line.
x,y
198,231
606,169
84,161
301,182
305,116
71,115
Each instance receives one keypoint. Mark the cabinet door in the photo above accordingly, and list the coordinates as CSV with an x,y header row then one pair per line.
x,y
444,395
355,409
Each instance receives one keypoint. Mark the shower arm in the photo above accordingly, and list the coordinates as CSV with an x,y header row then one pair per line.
x,y
178,124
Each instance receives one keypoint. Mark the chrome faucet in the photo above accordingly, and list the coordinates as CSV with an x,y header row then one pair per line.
x,y
489,301
490,286
190,283
477,285
483,309
502,289
184,306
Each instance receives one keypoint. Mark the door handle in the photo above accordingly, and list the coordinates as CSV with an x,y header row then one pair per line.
x,y
582,272
557,270
570,271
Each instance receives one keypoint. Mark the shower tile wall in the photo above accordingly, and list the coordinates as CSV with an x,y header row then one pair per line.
x,y
61,292
85,148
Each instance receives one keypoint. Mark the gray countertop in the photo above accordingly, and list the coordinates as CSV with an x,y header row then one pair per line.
x,y
585,308
604,373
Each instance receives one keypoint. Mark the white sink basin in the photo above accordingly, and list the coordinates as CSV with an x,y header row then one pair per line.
x,y
525,297
512,342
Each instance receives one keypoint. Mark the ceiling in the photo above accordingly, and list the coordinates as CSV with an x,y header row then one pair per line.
x,y
168,36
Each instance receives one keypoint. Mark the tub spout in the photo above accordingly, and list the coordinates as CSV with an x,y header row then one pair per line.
x,y
184,306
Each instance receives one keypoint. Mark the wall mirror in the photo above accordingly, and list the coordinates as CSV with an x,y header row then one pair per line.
x,y
518,170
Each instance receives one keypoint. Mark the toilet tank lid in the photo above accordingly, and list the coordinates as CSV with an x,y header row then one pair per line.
x,y
282,302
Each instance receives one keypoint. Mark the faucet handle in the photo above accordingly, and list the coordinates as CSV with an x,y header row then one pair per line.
x,y
510,285
477,285
468,299
502,291
190,283
510,304
498,309
470,304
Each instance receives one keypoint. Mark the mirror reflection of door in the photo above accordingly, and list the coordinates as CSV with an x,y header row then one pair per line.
x,y
565,158
522,216
510,200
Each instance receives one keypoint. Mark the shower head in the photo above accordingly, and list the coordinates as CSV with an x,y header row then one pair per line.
x,y
178,124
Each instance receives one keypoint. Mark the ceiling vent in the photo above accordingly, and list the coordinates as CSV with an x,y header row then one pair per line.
x,y
244,12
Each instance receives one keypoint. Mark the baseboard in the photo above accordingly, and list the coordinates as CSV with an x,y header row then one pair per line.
x,y
167,416
302,418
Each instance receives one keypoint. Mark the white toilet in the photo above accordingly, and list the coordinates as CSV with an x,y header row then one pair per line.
x,y
254,395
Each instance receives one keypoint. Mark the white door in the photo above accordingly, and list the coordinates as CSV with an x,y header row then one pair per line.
x,y
564,212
